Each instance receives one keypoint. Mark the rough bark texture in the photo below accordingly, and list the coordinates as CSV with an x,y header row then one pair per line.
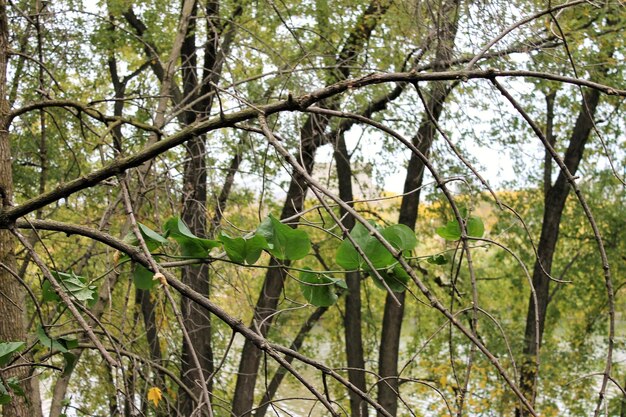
x,y
12,294
553,210
355,355
273,284
311,136
197,321
388,387
281,372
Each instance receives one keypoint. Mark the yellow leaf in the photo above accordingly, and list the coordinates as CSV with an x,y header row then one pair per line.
x,y
154,395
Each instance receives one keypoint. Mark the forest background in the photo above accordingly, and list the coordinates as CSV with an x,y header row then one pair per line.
x,y
194,219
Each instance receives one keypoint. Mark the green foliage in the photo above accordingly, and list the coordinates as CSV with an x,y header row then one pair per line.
x,y
7,349
320,289
284,242
437,259
153,239
242,250
13,385
142,278
291,47
76,286
60,344
396,279
399,236
191,245
349,258
452,230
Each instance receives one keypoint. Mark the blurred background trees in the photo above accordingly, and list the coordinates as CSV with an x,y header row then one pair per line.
x,y
475,150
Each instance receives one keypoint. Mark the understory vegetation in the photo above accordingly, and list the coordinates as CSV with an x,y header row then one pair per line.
x,y
312,208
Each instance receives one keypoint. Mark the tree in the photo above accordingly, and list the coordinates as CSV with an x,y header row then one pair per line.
x,y
13,327
224,142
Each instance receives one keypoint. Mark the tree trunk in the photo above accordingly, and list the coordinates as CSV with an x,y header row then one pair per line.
x,y
352,318
394,313
281,372
311,135
197,321
274,280
388,387
553,209
12,294
547,161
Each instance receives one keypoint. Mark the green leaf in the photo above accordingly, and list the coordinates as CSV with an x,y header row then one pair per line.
x,y
451,231
70,362
437,260
48,342
150,234
244,251
14,384
7,349
142,278
75,285
341,284
69,342
396,279
47,292
319,289
400,237
5,398
348,258
190,244
284,242
153,239
475,227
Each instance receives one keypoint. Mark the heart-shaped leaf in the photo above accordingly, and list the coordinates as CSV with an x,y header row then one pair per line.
x,y
319,289
396,279
400,237
142,278
190,245
348,257
452,230
284,242
7,349
153,239
244,251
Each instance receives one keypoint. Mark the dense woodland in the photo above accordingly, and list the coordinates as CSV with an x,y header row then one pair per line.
x,y
197,217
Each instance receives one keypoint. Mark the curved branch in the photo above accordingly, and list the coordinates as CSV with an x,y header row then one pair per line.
x,y
300,103
82,107
237,325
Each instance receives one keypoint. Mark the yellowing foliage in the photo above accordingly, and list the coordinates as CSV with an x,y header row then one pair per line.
x,y
155,395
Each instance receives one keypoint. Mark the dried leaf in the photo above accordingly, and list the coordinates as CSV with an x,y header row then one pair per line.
x,y
155,395
161,278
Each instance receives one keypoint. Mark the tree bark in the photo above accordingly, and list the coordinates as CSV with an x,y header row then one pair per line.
x,y
281,372
547,161
554,203
355,356
12,295
194,213
388,387
311,136
274,280
197,322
